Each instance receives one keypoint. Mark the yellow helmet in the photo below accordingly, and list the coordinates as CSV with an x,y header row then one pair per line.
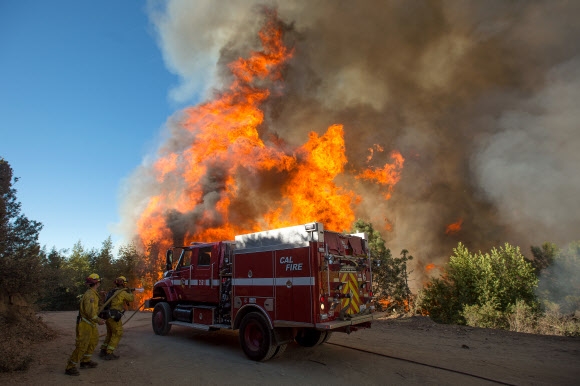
x,y
93,278
121,280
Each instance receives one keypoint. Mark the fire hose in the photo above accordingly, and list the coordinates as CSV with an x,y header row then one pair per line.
x,y
117,293
108,301
127,321
102,308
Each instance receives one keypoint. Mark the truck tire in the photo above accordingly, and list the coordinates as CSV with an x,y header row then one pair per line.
x,y
279,351
256,338
327,337
310,337
161,318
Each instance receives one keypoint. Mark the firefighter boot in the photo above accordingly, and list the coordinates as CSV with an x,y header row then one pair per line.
x,y
103,353
72,371
111,356
89,365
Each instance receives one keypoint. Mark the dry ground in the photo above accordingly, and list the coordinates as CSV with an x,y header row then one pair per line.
x,y
189,357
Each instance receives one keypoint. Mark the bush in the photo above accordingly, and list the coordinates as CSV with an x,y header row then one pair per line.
x,y
486,316
438,300
480,289
553,322
523,318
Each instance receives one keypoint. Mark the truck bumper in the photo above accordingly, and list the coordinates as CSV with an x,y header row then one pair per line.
x,y
343,323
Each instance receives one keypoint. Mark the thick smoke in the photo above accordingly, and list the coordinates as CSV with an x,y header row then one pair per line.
x,y
481,98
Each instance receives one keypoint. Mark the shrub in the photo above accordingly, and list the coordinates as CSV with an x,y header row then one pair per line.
x,y
486,316
480,289
523,318
553,322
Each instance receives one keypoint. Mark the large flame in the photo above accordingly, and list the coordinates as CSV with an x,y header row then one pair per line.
x,y
229,153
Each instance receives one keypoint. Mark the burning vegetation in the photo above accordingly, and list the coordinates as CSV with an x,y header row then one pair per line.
x,y
405,117
231,173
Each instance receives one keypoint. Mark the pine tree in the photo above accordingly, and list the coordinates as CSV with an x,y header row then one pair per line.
x,y
20,258
390,276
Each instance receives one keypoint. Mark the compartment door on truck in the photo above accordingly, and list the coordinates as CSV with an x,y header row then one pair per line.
x,y
254,279
294,285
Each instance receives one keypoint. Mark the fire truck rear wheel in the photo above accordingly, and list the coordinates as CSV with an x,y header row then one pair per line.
x,y
161,318
327,337
279,351
256,338
310,337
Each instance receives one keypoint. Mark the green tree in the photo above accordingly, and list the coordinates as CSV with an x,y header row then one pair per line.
x,y
20,258
21,278
480,289
390,276
138,271
78,267
543,256
130,264
59,292
153,265
102,263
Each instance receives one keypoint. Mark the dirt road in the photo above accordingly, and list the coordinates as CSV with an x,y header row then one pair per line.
x,y
428,354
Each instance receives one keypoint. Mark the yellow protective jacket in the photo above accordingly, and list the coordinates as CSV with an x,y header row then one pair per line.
x,y
121,298
89,308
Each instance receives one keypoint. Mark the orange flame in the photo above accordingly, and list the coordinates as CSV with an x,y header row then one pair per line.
x,y
388,176
454,228
384,302
224,156
310,193
429,267
388,303
388,225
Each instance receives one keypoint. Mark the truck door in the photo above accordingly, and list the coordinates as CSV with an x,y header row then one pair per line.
x,y
205,274
181,276
294,285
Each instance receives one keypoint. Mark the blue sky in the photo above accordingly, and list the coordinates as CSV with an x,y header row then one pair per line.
x,y
83,98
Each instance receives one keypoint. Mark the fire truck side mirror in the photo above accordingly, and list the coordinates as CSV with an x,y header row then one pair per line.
x,y
169,260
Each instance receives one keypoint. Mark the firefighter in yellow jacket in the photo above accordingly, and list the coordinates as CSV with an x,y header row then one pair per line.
x,y
119,297
87,334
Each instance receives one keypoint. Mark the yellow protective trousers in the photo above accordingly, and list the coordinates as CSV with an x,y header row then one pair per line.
x,y
114,334
87,338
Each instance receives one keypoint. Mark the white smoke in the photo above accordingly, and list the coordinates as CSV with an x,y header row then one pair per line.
x,y
191,35
529,167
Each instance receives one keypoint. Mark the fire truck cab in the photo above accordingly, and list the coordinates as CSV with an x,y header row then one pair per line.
x,y
298,283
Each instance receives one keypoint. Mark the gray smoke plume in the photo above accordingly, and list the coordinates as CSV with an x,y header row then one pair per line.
x,y
480,98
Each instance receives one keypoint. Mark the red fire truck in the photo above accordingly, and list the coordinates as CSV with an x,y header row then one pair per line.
x,y
299,283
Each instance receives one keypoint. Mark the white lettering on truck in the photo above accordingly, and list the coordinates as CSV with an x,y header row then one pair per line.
x,y
290,265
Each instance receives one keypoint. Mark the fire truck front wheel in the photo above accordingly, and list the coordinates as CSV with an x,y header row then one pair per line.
x,y
161,318
256,337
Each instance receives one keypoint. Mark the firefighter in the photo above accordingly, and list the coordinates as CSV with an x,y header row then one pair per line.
x,y
120,296
87,334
